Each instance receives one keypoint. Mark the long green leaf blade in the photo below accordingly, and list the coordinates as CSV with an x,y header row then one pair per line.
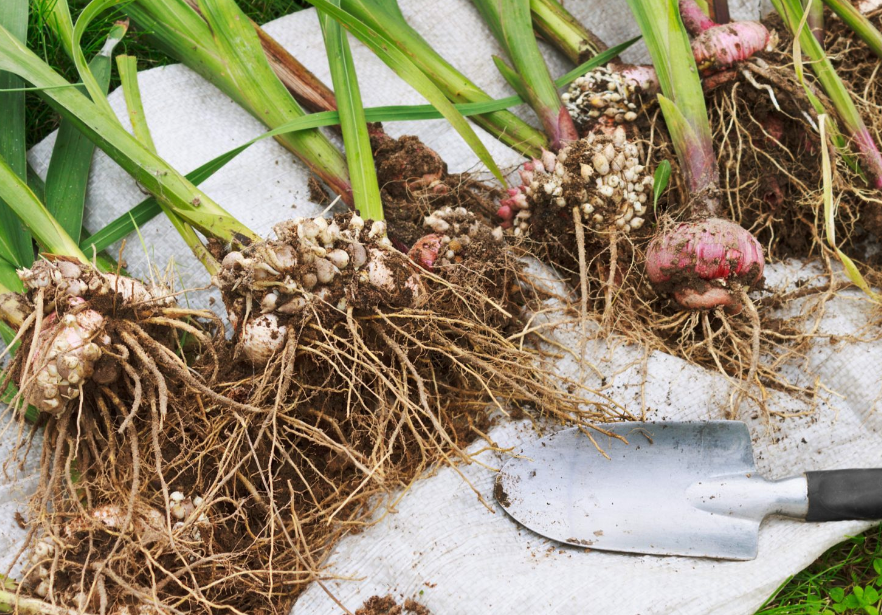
x,y
68,175
49,234
407,70
156,175
16,242
362,171
512,25
128,73
386,16
239,47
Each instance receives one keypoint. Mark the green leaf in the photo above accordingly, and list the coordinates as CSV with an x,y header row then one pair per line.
x,y
152,172
512,24
870,594
386,50
240,50
362,170
34,215
128,72
68,174
837,594
385,16
660,181
671,52
127,66
15,243
877,565
511,77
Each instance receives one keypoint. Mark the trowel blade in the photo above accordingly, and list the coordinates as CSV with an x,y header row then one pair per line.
x,y
642,499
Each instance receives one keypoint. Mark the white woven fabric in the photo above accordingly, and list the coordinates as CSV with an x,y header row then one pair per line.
x,y
442,546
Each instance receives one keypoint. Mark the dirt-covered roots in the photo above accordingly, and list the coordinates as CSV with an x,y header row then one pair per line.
x,y
414,182
90,335
331,307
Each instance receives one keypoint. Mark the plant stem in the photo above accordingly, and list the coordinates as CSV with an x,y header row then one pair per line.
x,y
859,23
816,19
504,125
156,175
565,32
682,102
362,170
511,24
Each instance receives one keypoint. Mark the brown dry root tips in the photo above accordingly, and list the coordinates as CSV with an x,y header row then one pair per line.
x,y
56,564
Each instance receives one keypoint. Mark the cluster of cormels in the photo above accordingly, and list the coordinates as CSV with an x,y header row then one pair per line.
x,y
601,174
72,336
314,264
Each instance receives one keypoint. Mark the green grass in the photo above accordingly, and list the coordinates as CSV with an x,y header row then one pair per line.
x,y
827,586
42,120
843,580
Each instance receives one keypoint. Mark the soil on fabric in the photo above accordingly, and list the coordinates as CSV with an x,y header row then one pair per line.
x,y
375,605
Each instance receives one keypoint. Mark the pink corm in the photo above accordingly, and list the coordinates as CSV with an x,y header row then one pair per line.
x,y
699,261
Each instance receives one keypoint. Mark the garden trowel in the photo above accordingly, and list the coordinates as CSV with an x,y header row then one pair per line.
x,y
669,488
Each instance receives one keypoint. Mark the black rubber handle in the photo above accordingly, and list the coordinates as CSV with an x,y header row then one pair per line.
x,y
843,495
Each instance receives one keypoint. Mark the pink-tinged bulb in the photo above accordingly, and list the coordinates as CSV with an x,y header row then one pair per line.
x,y
722,46
425,251
697,261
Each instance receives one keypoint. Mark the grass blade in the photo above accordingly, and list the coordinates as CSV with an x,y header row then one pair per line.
x,y
68,174
149,208
15,243
156,175
399,62
239,47
362,170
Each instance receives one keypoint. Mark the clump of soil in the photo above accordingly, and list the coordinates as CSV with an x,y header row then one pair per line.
x,y
414,182
387,605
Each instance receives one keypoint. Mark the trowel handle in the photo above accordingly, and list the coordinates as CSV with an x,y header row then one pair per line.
x,y
844,495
